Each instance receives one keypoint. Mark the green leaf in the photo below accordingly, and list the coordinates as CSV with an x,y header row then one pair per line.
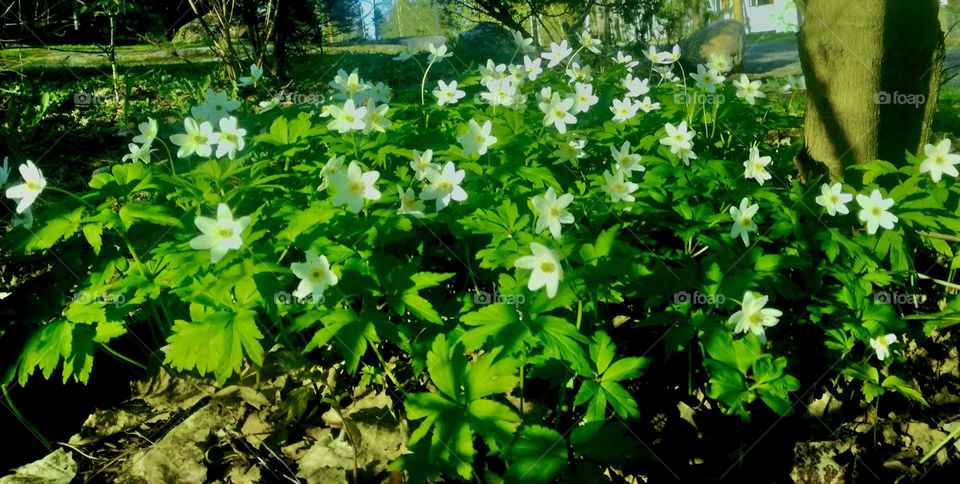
x,y
561,340
602,351
215,344
350,332
903,388
871,391
132,213
92,232
739,354
493,421
539,454
58,227
489,376
625,369
498,321
423,280
620,399
421,307
109,330
44,349
440,365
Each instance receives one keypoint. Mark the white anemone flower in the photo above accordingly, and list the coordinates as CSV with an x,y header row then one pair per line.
x,y
939,161
624,109
445,186
626,161
756,166
532,67
570,151
557,53
221,234
199,139
423,164
618,187
546,271
348,118
834,199
139,153
230,140
748,90
27,192
354,186
148,132
881,345
409,203
477,139
552,211
448,93
874,211
743,222
754,317
256,73
437,54
375,118
315,275
557,112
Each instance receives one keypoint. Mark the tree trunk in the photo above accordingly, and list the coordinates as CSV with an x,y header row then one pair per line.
x,y
872,75
738,10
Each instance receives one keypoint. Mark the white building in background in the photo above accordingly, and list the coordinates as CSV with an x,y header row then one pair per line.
x,y
763,15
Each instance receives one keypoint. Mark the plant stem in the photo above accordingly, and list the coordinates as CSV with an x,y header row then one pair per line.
x,y
423,84
121,357
71,195
173,166
16,413
386,368
579,313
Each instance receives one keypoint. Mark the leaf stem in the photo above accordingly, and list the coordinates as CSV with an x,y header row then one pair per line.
x,y
121,357
16,413
386,368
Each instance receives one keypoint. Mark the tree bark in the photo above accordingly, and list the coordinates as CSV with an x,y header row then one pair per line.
x,y
873,73
738,11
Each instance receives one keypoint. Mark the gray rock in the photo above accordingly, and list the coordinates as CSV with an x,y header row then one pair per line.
x,y
722,37
193,31
486,39
421,44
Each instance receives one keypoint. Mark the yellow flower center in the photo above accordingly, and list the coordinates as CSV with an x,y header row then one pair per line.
x,y
746,220
356,187
445,185
33,186
547,266
555,212
876,211
316,274
225,232
756,318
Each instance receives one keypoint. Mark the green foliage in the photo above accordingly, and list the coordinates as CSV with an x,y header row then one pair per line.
x,y
495,378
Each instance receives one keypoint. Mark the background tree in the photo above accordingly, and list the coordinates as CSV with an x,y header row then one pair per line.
x,y
873,74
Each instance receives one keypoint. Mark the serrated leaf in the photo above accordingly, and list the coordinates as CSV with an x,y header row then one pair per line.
x,y
132,213
215,344
421,307
537,455
92,232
